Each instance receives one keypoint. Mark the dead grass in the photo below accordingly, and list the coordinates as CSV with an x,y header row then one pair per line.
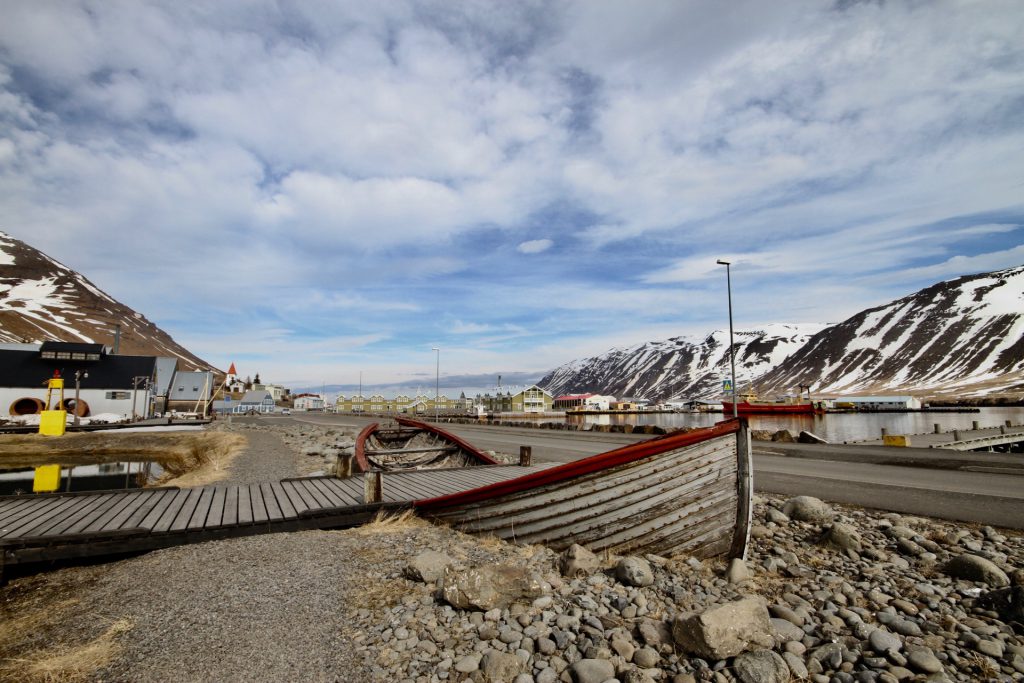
x,y
67,662
187,458
391,522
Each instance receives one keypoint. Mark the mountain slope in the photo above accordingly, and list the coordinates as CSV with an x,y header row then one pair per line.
x,y
682,367
42,299
961,337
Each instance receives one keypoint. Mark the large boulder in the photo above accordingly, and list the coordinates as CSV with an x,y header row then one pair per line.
x,y
501,666
634,571
489,586
577,562
807,509
725,630
783,436
974,568
592,671
761,666
428,566
810,437
843,536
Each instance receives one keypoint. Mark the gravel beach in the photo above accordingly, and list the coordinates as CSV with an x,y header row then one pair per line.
x,y
828,593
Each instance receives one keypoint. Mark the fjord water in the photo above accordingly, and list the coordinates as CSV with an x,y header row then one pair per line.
x,y
833,427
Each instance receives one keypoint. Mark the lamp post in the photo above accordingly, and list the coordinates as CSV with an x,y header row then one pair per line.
x,y
732,349
437,381
79,374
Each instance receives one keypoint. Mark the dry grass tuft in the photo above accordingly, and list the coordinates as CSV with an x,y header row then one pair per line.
x,y
188,458
67,663
391,522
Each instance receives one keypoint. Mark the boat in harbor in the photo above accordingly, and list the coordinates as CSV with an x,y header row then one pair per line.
x,y
686,492
792,405
413,445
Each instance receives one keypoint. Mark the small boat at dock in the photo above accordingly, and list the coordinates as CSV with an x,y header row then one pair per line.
x,y
413,445
688,492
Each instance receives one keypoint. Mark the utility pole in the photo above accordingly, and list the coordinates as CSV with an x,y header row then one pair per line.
x,y
79,375
437,381
732,348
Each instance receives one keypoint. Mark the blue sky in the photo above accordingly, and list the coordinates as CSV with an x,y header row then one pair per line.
x,y
318,189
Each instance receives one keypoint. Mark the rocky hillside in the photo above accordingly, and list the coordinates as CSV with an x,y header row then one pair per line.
x,y
41,299
682,367
959,338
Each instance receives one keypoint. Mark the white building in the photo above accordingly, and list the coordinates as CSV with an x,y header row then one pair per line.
x,y
882,402
309,402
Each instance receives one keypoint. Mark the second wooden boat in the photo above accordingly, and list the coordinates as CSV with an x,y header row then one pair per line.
x,y
688,492
412,445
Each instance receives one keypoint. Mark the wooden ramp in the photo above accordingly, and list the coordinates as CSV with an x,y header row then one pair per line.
x,y
37,528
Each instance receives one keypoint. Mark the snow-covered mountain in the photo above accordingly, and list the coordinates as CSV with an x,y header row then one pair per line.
x,y
962,337
682,367
41,299
959,338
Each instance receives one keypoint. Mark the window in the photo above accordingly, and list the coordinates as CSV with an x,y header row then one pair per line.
x,y
195,388
118,395
181,388
77,356
49,354
92,356
63,355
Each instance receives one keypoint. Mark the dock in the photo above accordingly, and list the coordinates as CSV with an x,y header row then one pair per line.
x,y
961,439
47,527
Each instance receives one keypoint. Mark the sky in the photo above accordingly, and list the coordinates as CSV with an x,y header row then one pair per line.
x,y
318,191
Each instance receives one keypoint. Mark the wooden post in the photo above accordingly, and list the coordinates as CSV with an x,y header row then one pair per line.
x,y
938,428
956,435
343,470
884,431
1002,429
1009,424
525,456
373,487
974,424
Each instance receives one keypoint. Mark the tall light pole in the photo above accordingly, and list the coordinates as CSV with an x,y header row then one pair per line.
x,y
732,349
79,374
437,381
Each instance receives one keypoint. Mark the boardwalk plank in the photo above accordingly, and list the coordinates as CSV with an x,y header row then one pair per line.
x,y
270,501
164,521
181,519
116,502
230,507
298,502
31,506
144,517
216,513
198,520
320,501
12,504
44,518
334,500
283,501
126,500
402,489
244,505
259,508
126,512
85,507
347,497
352,487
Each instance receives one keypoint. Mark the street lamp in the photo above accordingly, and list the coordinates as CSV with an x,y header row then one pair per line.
x,y
732,349
79,375
437,381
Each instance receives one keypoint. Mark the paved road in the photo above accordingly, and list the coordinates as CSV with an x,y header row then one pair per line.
x,y
989,489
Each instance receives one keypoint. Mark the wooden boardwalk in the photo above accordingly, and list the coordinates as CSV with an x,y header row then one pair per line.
x,y
37,528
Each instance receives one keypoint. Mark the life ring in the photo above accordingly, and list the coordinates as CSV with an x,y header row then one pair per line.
x,y
82,409
27,406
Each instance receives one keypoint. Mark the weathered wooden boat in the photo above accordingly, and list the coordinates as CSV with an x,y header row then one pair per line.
x,y
414,445
688,492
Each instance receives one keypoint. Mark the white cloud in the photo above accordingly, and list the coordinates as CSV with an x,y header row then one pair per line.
x,y
534,246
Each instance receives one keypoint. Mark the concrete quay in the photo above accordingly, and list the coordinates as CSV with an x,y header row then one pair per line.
x,y
959,439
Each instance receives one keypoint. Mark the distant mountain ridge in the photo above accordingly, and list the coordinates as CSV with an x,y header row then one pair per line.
x,y
958,338
42,299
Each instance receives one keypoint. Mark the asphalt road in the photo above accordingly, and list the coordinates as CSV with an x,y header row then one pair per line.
x,y
989,489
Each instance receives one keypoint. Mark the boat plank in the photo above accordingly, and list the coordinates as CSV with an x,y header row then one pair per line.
x,y
230,517
259,508
202,511
270,503
244,505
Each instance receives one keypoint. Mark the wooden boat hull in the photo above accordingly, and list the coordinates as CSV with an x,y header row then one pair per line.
x,y
681,493
414,445
746,408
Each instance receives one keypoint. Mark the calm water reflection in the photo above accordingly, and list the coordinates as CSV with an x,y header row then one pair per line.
x,y
836,427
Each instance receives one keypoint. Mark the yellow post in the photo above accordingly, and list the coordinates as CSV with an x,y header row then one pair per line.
x,y
47,479
54,422
898,440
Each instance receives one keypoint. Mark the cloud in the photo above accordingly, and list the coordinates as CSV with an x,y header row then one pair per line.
x,y
534,246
